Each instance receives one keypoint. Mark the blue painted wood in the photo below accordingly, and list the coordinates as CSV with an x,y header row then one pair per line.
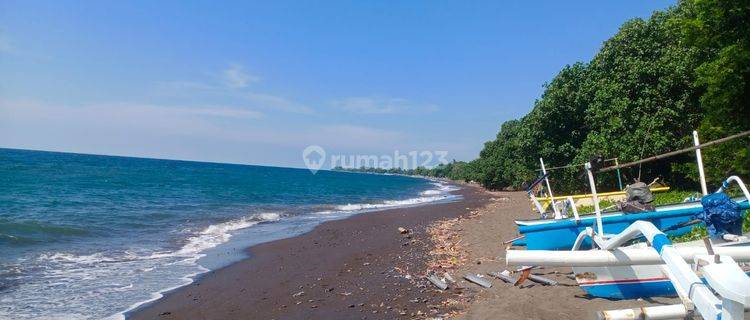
x,y
561,234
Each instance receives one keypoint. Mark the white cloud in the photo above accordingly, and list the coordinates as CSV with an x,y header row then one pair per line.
x,y
269,101
236,77
232,87
375,105
120,116
208,133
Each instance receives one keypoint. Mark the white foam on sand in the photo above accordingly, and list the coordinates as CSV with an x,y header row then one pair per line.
x,y
440,193
136,273
210,237
93,283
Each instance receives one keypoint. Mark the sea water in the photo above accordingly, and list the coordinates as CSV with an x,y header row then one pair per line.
x,y
88,236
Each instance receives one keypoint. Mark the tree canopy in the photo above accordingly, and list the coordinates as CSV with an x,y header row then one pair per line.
x,y
643,93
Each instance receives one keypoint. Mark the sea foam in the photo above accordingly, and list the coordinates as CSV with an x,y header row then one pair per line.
x,y
110,240
440,193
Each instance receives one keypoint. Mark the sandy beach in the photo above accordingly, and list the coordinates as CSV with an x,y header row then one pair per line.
x,y
364,268
361,159
359,267
481,238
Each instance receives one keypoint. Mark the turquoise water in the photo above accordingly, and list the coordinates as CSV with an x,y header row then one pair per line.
x,y
86,236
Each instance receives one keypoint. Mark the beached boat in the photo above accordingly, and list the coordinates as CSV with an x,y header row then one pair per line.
x,y
708,279
560,234
584,199
643,281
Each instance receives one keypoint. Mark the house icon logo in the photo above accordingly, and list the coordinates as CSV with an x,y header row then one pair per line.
x,y
314,157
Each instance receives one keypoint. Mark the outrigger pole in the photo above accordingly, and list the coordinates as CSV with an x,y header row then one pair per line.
x,y
597,210
549,190
674,153
699,157
723,296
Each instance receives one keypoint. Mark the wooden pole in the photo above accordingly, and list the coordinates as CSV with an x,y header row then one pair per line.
x,y
674,153
595,197
619,176
549,190
699,158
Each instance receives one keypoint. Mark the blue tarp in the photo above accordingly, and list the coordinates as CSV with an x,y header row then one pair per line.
x,y
721,215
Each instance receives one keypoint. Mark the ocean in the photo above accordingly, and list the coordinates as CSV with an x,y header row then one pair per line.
x,y
90,237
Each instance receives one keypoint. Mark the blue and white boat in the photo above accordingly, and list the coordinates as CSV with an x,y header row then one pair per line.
x,y
560,234
711,279
643,281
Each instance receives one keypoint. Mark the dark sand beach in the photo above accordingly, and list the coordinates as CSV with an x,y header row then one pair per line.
x,y
481,238
359,267
362,267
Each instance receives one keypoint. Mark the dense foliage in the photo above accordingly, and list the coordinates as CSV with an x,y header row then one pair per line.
x,y
643,94
456,170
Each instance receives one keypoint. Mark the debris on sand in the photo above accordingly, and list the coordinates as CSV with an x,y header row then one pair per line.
x,y
505,276
542,280
477,279
448,277
442,285
447,253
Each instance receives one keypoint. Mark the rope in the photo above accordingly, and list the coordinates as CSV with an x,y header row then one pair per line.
x,y
677,152
571,165
657,157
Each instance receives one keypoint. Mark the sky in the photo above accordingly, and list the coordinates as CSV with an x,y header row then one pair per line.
x,y
257,82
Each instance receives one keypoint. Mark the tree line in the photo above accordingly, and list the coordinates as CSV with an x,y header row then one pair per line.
x,y
644,92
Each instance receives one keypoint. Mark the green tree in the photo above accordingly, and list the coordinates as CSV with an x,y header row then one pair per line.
x,y
721,31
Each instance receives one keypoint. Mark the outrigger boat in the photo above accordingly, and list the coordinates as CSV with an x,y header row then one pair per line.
x,y
560,233
643,281
708,279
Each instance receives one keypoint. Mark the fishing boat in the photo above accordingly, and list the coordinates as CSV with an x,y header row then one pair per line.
x,y
585,198
708,278
637,281
560,233
644,281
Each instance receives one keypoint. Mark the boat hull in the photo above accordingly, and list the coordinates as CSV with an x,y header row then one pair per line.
x,y
631,282
561,234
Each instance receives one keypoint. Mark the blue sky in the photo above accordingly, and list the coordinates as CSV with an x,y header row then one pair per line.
x,y
257,82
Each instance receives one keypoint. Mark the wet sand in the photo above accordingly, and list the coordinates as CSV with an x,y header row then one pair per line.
x,y
361,267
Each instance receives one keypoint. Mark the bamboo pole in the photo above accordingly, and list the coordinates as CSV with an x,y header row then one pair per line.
x,y
699,158
597,210
549,191
677,152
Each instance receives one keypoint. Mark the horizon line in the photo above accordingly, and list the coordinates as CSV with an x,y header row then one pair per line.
x,y
153,158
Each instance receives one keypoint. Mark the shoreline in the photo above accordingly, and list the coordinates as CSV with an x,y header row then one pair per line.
x,y
481,237
281,263
362,267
